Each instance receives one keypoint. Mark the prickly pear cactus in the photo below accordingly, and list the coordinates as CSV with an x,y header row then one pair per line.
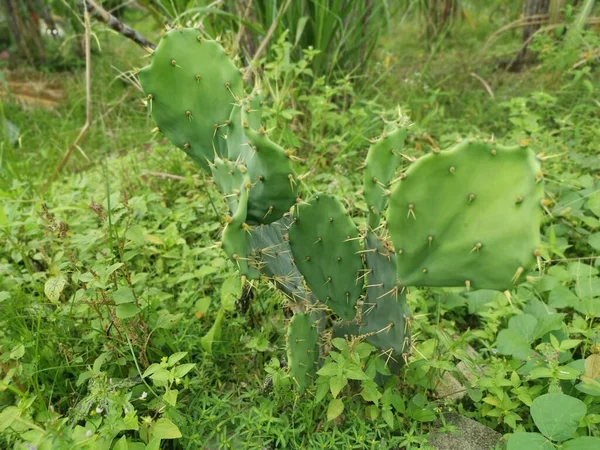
x,y
191,85
383,159
469,216
326,249
302,350
385,317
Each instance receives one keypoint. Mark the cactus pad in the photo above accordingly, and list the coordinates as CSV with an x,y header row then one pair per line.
x,y
385,318
274,181
230,177
325,245
236,238
469,216
275,258
302,350
191,86
382,160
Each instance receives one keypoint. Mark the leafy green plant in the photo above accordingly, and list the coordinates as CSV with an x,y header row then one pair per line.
x,y
557,416
259,185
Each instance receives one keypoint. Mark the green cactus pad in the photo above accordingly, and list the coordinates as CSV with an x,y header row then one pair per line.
x,y
275,184
230,177
302,350
253,109
469,216
236,238
325,245
385,317
275,259
191,86
382,161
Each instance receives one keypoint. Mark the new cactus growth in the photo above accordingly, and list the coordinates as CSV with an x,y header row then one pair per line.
x,y
326,247
302,350
466,217
383,159
469,216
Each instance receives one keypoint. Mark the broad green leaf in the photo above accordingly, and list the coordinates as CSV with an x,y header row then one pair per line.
x,y
557,416
594,241
354,372
17,352
336,384
562,297
8,416
54,287
182,370
509,342
370,391
175,358
335,408
127,310
582,443
231,291
121,444
213,334
163,428
123,295
170,396
547,324
388,416
593,203
329,370
528,441
372,412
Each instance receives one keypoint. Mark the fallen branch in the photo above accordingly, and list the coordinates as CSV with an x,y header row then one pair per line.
x,y
100,13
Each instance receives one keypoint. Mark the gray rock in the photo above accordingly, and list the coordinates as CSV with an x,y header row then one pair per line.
x,y
469,435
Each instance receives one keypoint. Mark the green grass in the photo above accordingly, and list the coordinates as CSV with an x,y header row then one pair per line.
x,y
143,279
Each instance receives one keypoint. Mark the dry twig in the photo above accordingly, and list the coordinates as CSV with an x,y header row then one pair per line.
x,y
88,99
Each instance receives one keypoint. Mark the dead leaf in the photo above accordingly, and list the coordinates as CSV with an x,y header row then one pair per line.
x,y
592,366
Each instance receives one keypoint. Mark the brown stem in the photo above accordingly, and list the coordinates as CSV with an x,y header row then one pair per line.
x,y
110,20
